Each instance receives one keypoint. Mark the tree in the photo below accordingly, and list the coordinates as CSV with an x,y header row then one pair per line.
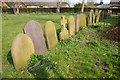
x,y
78,5
101,2
58,6
83,5
15,6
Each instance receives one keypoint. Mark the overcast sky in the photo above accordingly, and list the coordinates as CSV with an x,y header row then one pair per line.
x,y
98,1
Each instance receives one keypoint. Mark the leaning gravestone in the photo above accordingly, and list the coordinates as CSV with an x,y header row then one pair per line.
x,y
22,49
64,32
87,20
77,26
71,25
91,17
98,16
82,20
50,34
34,31
96,12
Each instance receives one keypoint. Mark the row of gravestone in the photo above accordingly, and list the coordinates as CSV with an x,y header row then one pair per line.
x,y
96,15
32,39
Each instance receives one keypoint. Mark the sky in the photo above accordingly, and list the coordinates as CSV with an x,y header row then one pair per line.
x,y
98,1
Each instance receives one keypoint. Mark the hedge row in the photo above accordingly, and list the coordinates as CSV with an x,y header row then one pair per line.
x,y
53,10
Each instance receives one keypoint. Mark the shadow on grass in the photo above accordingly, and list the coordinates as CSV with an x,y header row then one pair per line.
x,y
116,62
58,32
41,68
9,58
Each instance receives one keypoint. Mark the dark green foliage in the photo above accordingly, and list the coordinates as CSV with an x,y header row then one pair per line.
x,y
53,10
78,5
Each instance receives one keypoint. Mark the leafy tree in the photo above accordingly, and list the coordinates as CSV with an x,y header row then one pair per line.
x,y
78,5
15,6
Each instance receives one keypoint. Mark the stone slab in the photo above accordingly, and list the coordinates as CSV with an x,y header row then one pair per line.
x,y
71,25
50,34
77,26
82,20
63,22
22,49
64,34
34,31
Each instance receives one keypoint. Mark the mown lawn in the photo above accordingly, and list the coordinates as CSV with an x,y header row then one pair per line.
x,y
85,55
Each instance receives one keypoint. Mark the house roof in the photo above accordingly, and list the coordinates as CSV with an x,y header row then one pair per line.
x,y
114,0
108,5
44,3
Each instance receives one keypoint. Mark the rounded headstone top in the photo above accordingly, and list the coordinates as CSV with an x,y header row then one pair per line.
x,y
22,49
35,32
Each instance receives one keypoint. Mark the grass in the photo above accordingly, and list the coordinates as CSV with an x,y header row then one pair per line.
x,y
85,55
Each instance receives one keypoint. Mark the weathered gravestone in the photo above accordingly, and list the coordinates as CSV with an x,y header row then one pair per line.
x,y
87,20
96,12
101,17
82,20
63,22
71,25
98,16
91,17
22,49
34,31
64,32
77,26
104,14
50,34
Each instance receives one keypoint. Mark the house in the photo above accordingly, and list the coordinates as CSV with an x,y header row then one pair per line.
x,y
115,4
39,4
104,6
45,4
3,4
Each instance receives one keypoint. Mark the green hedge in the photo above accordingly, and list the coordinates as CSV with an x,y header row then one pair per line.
x,y
45,10
53,10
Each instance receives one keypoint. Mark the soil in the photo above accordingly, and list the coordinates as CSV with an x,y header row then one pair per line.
x,y
113,33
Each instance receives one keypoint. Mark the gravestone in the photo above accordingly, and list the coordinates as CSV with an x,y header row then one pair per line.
x,y
87,20
101,15
34,31
64,32
82,20
96,12
22,49
91,17
50,34
63,22
98,16
77,26
71,25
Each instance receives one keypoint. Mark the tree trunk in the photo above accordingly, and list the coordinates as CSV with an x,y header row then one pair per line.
x,y
83,5
17,7
15,11
14,6
58,6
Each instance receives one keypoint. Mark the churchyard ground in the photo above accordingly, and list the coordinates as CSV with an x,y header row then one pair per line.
x,y
85,55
